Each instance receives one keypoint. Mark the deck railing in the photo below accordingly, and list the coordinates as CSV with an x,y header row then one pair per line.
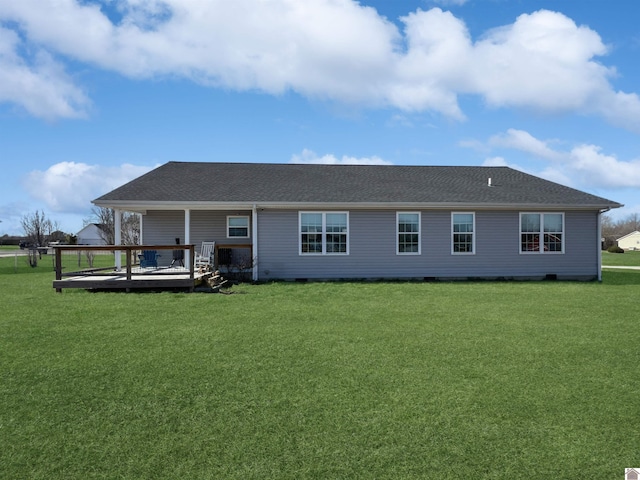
x,y
130,256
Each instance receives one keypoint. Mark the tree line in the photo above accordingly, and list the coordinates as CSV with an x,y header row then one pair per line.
x,y
614,229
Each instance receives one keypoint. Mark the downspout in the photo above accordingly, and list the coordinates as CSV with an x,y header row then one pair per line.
x,y
599,240
117,220
254,249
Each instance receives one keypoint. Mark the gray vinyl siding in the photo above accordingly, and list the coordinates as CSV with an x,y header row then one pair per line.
x,y
162,227
372,245
372,249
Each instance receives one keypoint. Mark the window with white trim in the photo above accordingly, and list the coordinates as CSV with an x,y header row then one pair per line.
x,y
324,233
463,232
541,232
408,233
237,227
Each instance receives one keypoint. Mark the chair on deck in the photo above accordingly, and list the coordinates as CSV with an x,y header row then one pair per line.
x,y
148,258
205,257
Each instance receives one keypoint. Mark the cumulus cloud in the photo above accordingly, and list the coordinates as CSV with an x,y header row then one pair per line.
x,y
309,156
524,141
38,84
338,50
583,166
70,186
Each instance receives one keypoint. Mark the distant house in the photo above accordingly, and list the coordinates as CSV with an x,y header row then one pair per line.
x,y
91,234
631,241
302,222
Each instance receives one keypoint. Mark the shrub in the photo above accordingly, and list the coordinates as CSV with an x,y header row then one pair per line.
x,y
615,249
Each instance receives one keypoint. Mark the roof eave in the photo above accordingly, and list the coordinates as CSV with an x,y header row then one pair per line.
x,y
186,205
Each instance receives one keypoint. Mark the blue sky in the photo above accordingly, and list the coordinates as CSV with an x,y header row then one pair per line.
x,y
94,93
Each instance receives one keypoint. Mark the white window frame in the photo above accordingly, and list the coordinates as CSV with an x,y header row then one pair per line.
x,y
324,233
541,233
398,232
472,233
229,217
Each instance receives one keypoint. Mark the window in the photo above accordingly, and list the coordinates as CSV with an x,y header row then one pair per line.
x,y
408,233
324,233
541,233
462,233
237,227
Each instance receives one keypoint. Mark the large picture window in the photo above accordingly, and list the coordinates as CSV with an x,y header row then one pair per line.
x,y
541,233
408,233
238,227
324,233
463,233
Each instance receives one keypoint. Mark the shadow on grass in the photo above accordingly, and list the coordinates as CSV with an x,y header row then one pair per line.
x,y
621,277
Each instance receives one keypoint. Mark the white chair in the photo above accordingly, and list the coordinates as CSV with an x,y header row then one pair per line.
x,y
205,257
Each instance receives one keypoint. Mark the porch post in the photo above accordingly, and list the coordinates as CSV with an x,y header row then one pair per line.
x,y
117,217
254,248
187,235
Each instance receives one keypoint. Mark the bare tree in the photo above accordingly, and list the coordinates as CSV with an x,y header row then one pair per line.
x,y
38,228
130,226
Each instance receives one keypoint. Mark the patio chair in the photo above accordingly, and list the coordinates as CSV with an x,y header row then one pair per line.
x,y
205,257
148,258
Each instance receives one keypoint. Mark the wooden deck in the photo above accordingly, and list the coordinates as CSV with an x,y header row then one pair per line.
x,y
128,277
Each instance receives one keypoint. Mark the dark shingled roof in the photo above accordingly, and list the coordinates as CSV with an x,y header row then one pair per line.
x,y
345,184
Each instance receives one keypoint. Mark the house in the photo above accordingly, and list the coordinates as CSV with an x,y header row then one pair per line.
x,y
301,221
91,234
631,241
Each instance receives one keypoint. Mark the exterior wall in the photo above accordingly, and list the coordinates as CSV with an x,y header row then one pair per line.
x,y
162,227
372,249
630,242
90,235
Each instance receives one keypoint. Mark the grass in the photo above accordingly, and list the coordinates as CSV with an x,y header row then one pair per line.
x,y
628,259
331,380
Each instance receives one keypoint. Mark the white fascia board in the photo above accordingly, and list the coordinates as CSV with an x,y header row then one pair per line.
x,y
143,206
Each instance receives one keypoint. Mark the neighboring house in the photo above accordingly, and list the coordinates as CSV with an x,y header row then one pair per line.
x,y
91,234
363,221
631,241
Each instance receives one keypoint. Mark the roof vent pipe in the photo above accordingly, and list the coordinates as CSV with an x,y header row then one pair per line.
x,y
489,182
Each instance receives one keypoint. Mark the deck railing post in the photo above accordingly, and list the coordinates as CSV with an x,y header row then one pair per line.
x,y
58,255
128,254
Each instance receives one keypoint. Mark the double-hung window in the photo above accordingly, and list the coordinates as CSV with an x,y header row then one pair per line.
x,y
541,233
237,227
463,232
324,233
408,233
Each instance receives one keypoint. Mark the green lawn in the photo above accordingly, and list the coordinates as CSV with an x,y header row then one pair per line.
x,y
628,258
475,380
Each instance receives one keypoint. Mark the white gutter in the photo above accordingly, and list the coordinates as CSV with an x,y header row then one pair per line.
x,y
143,206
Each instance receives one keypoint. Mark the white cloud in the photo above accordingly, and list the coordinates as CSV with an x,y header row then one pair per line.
x,y
40,85
583,166
328,49
309,156
524,141
597,168
496,162
70,186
